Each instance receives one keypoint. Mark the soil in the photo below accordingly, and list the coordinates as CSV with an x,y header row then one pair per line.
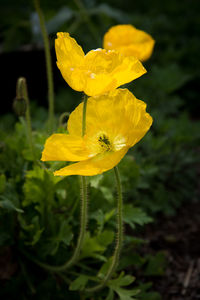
x,y
179,237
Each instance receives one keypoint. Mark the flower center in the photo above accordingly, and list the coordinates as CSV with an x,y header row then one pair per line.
x,y
104,143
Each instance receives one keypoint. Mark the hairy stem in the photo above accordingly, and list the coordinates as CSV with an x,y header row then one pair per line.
x,y
116,255
22,93
83,218
48,66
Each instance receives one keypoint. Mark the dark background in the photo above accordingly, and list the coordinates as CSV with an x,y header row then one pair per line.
x,y
175,25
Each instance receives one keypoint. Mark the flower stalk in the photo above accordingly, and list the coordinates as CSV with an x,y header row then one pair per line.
x,y
48,66
83,218
119,242
22,93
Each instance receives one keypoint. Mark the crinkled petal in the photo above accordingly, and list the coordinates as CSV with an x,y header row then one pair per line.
x,y
107,70
99,84
70,58
129,70
96,165
118,113
129,41
64,147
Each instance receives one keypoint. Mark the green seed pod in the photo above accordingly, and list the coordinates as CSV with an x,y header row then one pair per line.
x,y
19,106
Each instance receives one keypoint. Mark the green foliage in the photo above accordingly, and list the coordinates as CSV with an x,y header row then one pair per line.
x,y
39,213
117,286
156,265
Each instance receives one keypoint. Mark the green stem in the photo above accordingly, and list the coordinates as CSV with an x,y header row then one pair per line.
x,y
84,202
83,219
48,66
22,93
83,222
119,242
84,115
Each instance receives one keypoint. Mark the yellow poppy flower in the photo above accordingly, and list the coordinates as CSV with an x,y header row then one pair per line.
x,y
114,122
129,41
97,72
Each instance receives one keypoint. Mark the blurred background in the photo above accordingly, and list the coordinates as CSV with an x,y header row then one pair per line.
x,y
163,178
173,69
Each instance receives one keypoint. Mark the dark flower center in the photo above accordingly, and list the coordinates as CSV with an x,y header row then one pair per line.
x,y
104,142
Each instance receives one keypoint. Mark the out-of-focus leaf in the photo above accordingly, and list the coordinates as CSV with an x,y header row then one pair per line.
x,y
2,183
156,265
79,283
170,78
123,280
112,12
127,294
110,295
62,16
135,215
9,205
98,244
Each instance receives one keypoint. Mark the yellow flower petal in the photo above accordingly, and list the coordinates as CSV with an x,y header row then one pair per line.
x,y
95,165
70,58
129,41
114,123
107,70
97,72
119,114
64,147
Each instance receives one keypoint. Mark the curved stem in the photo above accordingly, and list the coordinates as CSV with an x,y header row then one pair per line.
x,y
83,219
83,225
48,66
119,242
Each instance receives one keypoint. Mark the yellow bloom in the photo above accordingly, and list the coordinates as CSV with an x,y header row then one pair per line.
x,y
114,122
129,41
97,72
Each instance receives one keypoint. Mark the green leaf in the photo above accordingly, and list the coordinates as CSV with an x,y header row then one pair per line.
x,y
110,295
170,78
79,283
34,229
131,260
2,183
156,265
148,295
99,217
8,204
95,181
36,237
127,294
64,235
116,284
121,281
135,215
39,188
104,268
97,244
105,238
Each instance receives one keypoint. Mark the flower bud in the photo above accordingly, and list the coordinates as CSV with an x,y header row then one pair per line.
x,y
19,106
